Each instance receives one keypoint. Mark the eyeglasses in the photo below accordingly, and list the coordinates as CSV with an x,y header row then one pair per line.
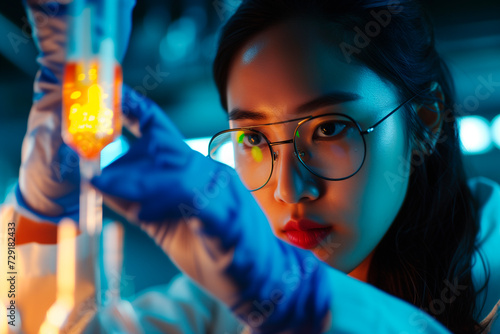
x,y
331,146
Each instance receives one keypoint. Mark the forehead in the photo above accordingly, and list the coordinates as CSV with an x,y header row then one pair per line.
x,y
291,63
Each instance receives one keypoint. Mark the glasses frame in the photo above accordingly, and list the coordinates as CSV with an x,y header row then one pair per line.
x,y
298,154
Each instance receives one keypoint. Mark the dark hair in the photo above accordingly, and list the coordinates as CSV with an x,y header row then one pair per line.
x,y
433,238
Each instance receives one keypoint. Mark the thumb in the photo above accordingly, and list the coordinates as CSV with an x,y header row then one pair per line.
x,y
142,116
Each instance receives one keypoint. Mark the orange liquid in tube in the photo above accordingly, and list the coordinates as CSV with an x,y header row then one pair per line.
x,y
91,119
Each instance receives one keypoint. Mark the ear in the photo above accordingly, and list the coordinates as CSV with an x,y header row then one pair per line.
x,y
431,114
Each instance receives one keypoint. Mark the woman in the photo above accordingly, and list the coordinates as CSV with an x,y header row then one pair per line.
x,y
398,215
343,129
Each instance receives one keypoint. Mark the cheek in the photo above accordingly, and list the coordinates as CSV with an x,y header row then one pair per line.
x,y
384,178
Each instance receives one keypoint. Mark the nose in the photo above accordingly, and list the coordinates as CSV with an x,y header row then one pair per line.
x,y
293,182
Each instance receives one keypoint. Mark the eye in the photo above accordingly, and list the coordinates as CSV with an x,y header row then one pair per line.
x,y
250,139
330,129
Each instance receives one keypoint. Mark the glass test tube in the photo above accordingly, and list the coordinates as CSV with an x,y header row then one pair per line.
x,y
91,110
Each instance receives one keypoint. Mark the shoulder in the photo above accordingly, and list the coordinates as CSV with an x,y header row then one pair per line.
x,y
487,259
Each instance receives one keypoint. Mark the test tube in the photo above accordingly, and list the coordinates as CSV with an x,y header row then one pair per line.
x,y
120,316
59,312
92,79
113,259
91,109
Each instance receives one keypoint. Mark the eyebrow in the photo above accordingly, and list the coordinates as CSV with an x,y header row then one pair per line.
x,y
329,99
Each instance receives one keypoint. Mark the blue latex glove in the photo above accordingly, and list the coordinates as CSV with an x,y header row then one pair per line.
x,y
49,177
205,219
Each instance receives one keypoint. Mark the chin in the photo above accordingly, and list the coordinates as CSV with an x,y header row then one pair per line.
x,y
339,259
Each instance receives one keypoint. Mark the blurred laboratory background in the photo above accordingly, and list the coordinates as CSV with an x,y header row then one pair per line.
x,y
169,60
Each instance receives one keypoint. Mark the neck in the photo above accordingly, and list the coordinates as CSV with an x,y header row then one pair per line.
x,y
361,271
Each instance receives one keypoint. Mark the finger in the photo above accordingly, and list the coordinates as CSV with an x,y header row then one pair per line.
x,y
120,180
129,119
127,209
151,118
143,201
131,124
136,107
158,191
156,210
135,179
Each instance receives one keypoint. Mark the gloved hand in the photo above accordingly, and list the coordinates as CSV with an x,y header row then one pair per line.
x,y
205,219
49,175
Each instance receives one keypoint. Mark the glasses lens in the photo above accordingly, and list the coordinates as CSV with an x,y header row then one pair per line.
x,y
331,146
248,152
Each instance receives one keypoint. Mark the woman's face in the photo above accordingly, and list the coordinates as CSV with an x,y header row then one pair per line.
x,y
274,74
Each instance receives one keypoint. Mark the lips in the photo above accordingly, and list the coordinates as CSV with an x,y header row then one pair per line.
x,y
305,233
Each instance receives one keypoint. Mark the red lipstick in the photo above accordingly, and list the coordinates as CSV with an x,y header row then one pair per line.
x,y
306,233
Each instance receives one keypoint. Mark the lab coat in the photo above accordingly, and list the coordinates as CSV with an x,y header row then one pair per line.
x,y
181,306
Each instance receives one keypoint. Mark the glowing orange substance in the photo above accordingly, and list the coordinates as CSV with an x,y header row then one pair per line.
x,y
91,119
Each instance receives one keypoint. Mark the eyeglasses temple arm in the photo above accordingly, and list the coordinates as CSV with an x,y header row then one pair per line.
x,y
371,128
